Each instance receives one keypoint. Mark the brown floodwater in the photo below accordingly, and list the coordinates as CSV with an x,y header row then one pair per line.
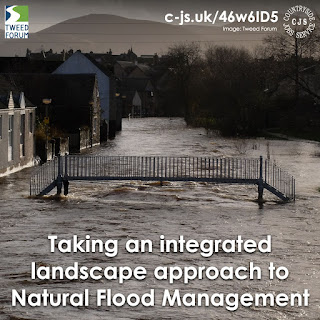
x,y
141,210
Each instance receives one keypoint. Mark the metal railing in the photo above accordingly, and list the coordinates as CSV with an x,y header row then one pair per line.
x,y
279,179
222,170
159,168
43,177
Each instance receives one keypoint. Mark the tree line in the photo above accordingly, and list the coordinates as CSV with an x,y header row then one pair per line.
x,y
246,93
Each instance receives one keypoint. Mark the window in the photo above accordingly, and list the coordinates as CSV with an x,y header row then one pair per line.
x,y
31,122
10,141
22,135
0,127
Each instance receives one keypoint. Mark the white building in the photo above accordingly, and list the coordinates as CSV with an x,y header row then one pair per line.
x,y
17,126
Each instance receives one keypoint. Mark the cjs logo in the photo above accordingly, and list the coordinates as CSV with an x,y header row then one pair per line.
x,y
16,22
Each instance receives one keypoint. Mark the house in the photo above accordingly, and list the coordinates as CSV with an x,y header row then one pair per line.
x,y
123,68
127,69
17,127
79,63
139,93
67,106
140,71
137,88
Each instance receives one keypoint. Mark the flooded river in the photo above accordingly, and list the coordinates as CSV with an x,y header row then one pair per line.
x,y
141,210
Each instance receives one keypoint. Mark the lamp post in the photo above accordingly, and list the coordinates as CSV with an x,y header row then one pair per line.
x,y
91,122
121,112
46,102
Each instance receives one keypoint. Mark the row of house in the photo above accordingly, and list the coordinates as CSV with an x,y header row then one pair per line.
x,y
74,101
81,98
137,78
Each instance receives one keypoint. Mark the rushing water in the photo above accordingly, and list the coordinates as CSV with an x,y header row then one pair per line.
x,y
140,210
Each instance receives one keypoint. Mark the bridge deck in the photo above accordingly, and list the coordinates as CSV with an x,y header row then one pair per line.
x,y
198,169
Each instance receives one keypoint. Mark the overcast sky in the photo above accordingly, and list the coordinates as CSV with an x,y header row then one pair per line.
x,y
44,13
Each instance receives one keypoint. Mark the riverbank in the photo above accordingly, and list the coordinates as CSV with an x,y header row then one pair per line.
x,y
272,133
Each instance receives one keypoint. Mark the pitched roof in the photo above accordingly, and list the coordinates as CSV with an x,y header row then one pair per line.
x,y
105,70
144,68
126,64
130,66
8,86
16,96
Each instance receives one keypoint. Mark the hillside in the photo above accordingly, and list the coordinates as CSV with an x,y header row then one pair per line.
x,y
100,32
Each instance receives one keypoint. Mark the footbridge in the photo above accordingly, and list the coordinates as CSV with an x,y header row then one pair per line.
x,y
58,172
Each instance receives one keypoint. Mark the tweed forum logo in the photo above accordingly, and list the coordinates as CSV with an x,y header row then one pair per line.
x,y
16,22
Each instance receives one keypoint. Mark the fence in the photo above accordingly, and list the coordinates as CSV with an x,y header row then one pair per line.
x,y
160,168
43,177
279,179
222,170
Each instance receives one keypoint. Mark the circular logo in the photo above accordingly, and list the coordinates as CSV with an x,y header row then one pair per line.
x,y
299,21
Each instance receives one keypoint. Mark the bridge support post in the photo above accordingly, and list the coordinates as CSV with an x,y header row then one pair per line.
x,y
65,180
260,183
65,186
59,177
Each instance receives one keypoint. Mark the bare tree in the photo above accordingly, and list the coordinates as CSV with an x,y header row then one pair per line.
x,y
185,63
235,93
292,55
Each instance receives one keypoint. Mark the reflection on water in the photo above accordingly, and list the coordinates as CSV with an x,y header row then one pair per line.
x,y
143,210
